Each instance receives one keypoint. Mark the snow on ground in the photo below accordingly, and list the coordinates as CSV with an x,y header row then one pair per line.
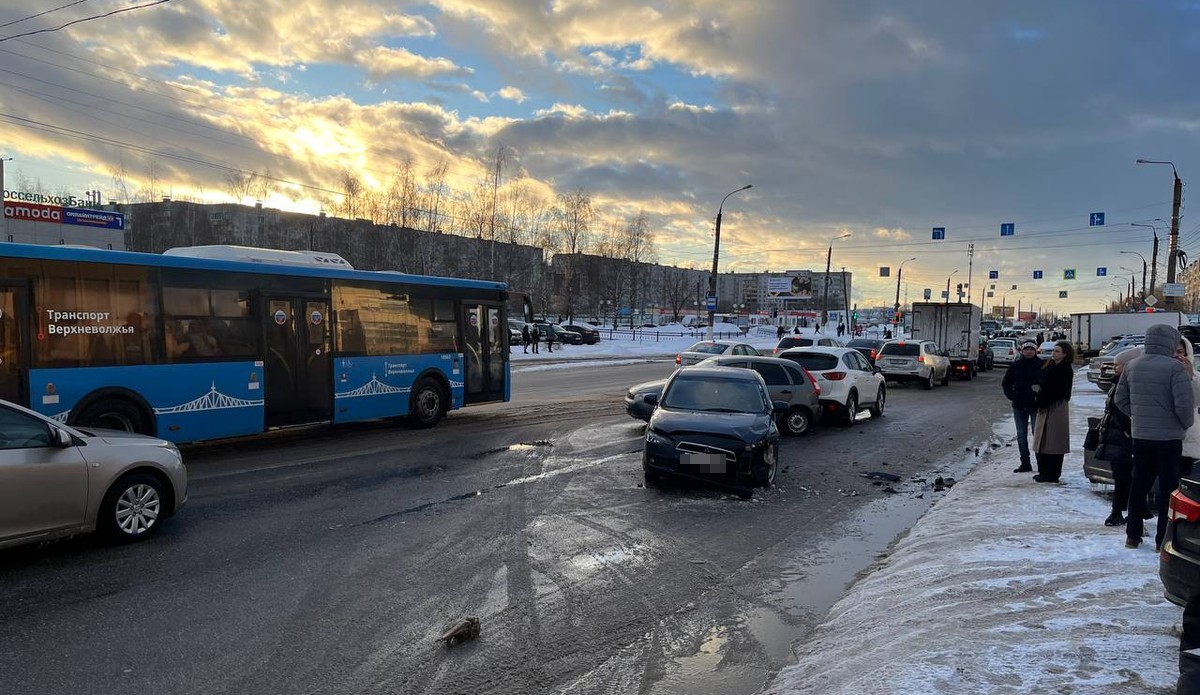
x,y
1004,586
663,341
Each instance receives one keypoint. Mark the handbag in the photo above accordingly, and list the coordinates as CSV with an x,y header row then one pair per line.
x,y
1092,440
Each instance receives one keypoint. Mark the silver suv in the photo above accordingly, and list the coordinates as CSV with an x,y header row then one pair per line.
x,y
914,360
1100,368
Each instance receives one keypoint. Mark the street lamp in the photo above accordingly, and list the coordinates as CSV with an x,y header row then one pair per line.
x,y
1132,281
712,279
1153,253
828,261
1135,253
1173,244
899,273
948,284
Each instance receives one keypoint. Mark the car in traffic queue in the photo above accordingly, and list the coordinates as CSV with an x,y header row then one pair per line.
x,y
987,359
869,347
715,424
786,381
591,336
1004,350
552,332
711,348
1045,349
1179,557
792,341
847,381
1100,367
58,481
914,360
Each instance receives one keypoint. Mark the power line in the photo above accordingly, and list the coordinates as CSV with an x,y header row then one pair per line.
x,y
84,19
39,14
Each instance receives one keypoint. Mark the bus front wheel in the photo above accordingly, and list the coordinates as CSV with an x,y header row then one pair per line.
x,y
115,414
428,404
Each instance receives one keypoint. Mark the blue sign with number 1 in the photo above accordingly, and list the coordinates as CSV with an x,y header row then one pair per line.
x,y
1008,229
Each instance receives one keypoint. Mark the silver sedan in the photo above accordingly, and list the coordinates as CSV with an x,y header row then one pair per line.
x,y
59,481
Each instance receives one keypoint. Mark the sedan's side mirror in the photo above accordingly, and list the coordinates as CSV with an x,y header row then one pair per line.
x,y
61,438
780,407
650,399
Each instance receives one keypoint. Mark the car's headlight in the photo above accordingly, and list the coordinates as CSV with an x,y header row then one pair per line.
x,y
653,437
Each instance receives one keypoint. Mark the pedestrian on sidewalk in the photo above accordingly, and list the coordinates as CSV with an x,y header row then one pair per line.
x,y
1156,393
1018,384
1116,441
1191,439
535,337
1052,428
525,338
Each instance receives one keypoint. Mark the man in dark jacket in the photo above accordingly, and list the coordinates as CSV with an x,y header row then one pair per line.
x,y
1018,387
1115,431
1156,393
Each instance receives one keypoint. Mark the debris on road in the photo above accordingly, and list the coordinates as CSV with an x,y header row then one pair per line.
x,y
460,631
848,493
876,475
940,483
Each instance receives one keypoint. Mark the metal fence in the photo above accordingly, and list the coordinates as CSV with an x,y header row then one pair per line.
x,y
658,336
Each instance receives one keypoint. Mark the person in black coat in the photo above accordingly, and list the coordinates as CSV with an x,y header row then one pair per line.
x,y
1052,430
1018,384
1116,437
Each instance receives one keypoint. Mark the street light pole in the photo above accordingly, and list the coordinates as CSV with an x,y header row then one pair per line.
x,y
896,309
1173,243
828,262
712,279
948,284
1135,253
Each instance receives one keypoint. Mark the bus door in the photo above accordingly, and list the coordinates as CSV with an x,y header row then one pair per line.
x,y
485,351
14,343
298,370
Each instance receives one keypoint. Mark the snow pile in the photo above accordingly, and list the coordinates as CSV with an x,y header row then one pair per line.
x,y
643,342
1004,586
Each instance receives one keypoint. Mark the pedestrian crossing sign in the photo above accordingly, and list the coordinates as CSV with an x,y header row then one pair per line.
x,y
1069,274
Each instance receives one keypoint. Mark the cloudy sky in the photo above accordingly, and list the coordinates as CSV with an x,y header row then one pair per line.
x,y
881,119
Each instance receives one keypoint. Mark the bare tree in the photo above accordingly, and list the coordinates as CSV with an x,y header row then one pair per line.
x,y
402,195
352,191
262,185
120,178
238,185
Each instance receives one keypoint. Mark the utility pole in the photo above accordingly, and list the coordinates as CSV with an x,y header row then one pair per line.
x,y
1154,262
970,265
825,301
1173,246
845,296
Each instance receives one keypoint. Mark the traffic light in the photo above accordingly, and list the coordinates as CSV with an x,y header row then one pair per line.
x,y
774,312
960,288
854,315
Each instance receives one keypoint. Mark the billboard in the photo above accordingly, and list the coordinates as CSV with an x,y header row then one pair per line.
x,y
83,217
1028,316
790,287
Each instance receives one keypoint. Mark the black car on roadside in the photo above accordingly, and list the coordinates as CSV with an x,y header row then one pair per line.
x,y
1179,559
715,424
869,347
591,336
552,332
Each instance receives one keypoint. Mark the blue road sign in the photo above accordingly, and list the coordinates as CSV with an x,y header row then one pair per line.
x,y
1101,272
1037,275
1062,294
710,303
885,271
993,274
1069,274
1096,219
939,233
1008,229
928,293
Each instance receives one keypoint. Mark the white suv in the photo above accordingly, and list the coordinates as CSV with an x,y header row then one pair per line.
x,y
847,380
914,360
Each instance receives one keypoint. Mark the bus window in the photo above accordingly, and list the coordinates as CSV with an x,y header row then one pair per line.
x,y
92,316
205,323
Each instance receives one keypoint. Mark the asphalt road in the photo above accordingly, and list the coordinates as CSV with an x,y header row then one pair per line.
x,y
329,561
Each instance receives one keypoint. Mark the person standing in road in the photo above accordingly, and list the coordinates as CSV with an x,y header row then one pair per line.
x,y
534,337
1156,393
1052,429
1116,440
841,329
1018,384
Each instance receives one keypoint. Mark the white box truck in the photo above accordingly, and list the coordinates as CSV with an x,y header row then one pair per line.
x,y
1091,331
955,329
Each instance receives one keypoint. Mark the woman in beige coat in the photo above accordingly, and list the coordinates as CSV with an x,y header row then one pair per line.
x,y
1052,428
1191,441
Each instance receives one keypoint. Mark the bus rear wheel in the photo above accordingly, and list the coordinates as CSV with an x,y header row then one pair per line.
x,y
115,414
428,404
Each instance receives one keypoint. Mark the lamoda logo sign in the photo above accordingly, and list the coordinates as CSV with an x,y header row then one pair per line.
x,y
32,211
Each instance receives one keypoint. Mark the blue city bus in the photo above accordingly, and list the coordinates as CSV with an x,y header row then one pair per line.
x,y
212,342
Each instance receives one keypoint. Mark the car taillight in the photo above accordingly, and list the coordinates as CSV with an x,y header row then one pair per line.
x,y
874,354
921,359
775,351
813,380
835,376
1183,507
677,360
1011,352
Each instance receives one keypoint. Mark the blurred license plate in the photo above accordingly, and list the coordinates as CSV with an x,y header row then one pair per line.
x,y
713,463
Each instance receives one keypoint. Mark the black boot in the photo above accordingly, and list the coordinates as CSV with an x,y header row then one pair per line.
x,y
1023,468
1115,519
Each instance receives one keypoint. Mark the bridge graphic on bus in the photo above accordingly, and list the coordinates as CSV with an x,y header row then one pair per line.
x,y
213,400
374,387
